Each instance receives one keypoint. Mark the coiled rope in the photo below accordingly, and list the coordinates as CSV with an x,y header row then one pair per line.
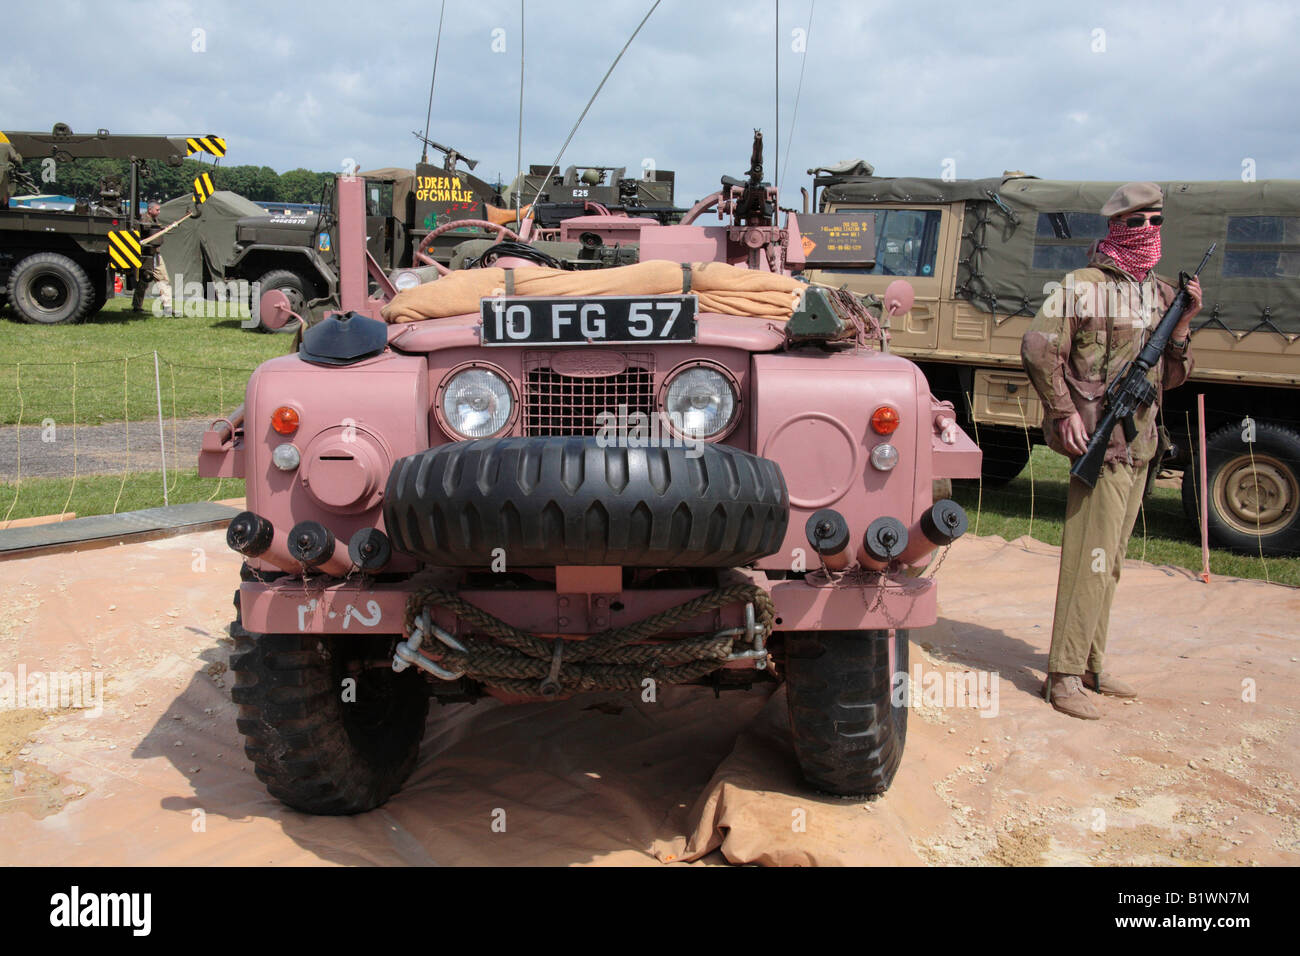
x,y
516,661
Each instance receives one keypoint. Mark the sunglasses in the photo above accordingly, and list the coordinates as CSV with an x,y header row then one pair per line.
x,y
1134,221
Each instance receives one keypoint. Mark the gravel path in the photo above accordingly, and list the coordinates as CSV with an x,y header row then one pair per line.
x,y
99,449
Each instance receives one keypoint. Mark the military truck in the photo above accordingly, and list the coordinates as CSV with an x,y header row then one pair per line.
x,y
296,253
579,190
982,253
416,220
57,266
693,470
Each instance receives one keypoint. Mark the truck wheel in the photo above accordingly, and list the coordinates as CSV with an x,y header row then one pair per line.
x,y
314,750
847,730
539,502
295,287
1254,489
99,298
1005,454
50,289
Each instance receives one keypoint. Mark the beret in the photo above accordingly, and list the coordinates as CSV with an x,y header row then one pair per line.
x,y
1131,197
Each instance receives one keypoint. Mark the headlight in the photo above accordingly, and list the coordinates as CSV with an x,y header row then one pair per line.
x,y
476,403
285,457
884,457
700,401
406,279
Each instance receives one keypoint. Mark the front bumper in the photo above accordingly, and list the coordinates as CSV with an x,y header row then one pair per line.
x,y
359,608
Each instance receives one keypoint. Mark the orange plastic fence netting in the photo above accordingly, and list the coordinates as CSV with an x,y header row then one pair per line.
x,y
721,288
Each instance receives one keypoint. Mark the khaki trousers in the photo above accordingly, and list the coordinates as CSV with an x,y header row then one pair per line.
x,y
158,274
1098,522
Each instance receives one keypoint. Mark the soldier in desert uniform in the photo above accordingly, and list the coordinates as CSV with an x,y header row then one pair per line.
x,y
1086,331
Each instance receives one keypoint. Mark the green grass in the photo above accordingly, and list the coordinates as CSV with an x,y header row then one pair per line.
x,y
204,364
1037,508
108,494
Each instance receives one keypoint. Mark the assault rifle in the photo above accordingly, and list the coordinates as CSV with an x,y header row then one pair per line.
x,y
1130,389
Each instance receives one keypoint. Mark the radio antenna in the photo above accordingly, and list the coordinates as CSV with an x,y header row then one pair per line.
x,y
424,156
799,89
556,165
776,95
519,143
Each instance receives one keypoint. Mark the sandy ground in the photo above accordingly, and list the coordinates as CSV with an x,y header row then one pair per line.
x,y
1201,770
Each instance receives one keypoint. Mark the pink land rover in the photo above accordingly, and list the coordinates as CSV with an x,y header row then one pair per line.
x,y
533,482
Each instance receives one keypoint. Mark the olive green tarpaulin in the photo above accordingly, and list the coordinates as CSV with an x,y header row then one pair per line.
x,y
1014,244
200,248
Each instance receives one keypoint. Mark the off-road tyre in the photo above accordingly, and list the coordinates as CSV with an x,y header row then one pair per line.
x,y
50,289
298,289
539,502
314,752
1233,499
848,735
99,297
1006,452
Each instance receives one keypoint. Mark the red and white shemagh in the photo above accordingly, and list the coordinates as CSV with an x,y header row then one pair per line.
x,y
1135,249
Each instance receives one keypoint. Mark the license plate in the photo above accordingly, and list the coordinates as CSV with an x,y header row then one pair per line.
x,y
518,320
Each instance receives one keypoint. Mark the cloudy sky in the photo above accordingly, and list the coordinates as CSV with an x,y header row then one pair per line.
x,y
1119,91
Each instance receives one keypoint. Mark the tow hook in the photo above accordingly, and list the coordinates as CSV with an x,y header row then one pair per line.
x,y
755,637
408,651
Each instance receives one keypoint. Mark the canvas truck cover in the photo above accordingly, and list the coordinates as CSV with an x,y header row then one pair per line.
x,y
208,237
1021,233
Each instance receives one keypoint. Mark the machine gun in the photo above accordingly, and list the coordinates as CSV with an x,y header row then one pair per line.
x,y
754,204
452,156
1130,389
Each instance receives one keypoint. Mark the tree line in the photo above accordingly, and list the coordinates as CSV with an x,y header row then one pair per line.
x,y
80,179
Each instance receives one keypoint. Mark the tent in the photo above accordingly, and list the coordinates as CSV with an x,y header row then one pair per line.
x,y
200,248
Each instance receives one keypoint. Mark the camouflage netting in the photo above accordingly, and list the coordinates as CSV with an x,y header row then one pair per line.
x,y
1252,284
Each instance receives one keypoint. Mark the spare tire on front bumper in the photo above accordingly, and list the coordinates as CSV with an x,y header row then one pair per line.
x,y
568,500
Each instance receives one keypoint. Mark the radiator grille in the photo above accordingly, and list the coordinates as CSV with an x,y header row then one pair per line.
x,y
556,404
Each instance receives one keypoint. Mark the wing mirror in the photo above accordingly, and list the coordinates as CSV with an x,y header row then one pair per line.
x,y
274,310
899,296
